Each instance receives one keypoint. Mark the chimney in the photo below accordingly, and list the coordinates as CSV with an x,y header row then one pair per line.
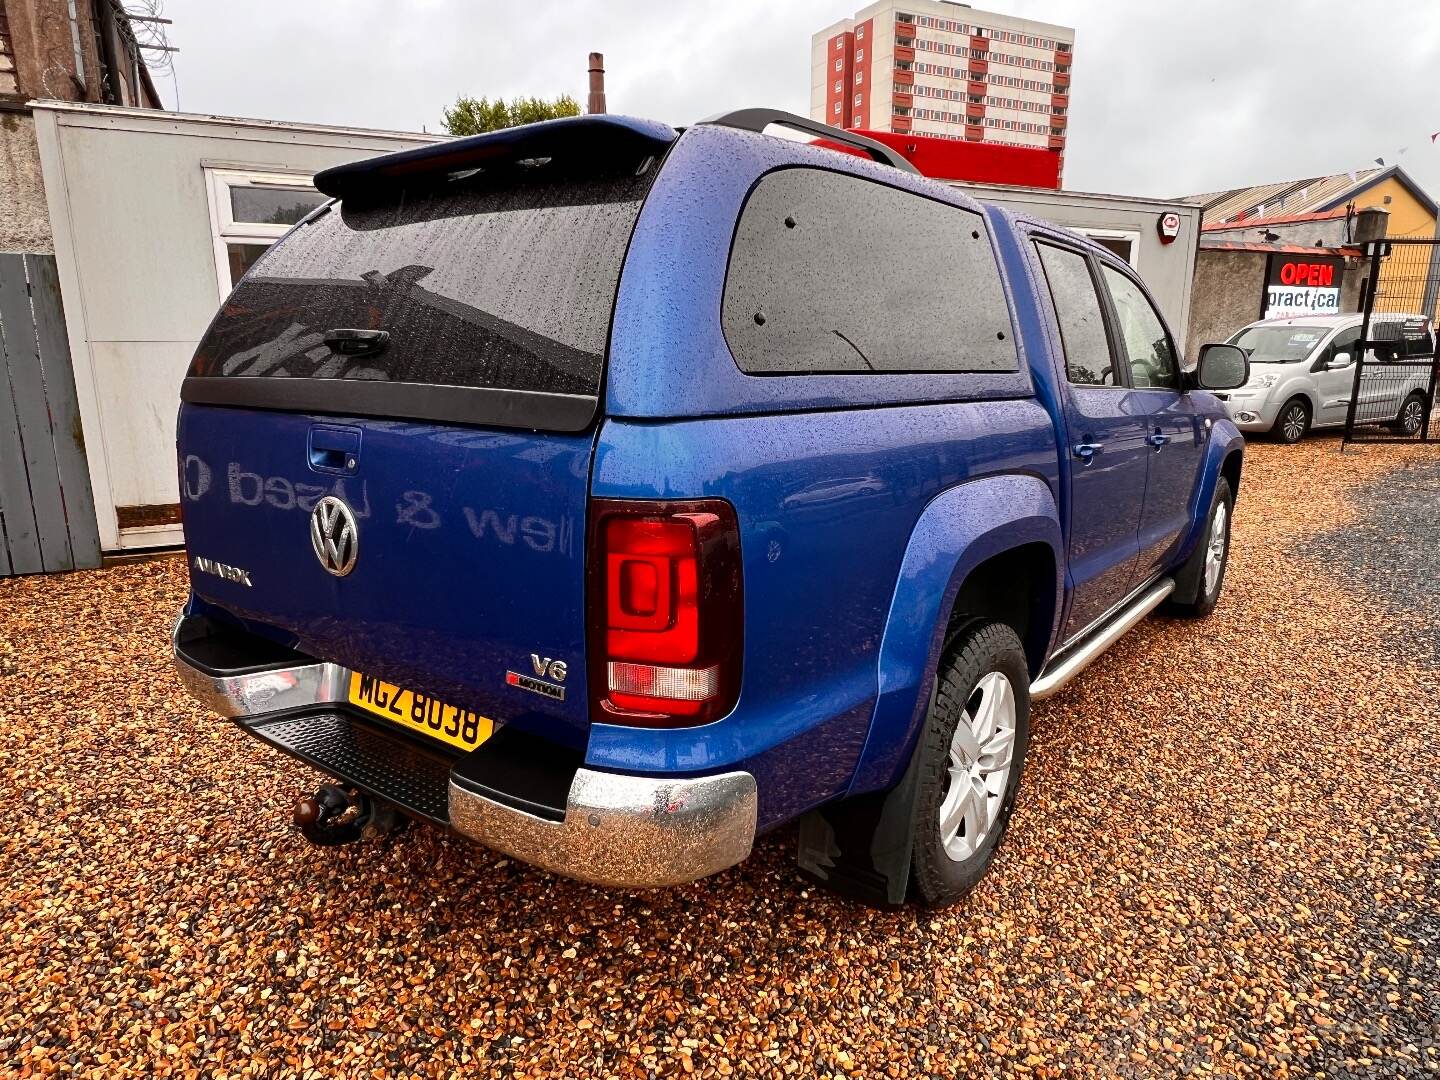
x,y
596,101
1371,223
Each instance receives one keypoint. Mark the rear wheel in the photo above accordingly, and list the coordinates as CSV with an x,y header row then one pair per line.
x,y
1293,421
1411,415
972,753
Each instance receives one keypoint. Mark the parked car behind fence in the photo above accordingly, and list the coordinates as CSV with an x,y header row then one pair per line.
x,y
1304,374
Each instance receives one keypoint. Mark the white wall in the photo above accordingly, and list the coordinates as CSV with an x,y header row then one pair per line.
x,y
135,249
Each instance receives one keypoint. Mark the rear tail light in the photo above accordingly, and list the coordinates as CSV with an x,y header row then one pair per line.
x,y
666,611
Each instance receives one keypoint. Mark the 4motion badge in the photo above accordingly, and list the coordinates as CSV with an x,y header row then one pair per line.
x,y
537,684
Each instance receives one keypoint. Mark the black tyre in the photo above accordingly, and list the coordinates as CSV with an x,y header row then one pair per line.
x,y
972,752
1292,422
1198,584
1411,416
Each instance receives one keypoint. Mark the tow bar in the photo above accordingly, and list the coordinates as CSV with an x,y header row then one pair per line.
x,y
337,815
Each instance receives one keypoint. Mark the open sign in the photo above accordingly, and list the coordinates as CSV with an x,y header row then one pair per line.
x,y
1307,273
1302,285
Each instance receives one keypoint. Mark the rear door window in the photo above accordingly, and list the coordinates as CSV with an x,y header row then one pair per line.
x,y
1078,311
831,273
501,285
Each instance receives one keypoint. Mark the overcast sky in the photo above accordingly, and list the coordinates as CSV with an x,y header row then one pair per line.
x,y
1169,98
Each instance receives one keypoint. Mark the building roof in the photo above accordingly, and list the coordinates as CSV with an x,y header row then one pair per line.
x,y
1289,199
1282,219
1207,244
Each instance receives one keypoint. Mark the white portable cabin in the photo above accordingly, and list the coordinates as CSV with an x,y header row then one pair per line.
x,y
154,215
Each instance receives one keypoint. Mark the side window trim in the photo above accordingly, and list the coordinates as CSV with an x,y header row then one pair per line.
x,y
1102,297
1117,340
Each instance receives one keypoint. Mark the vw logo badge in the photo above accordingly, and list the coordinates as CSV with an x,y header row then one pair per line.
x,y
334,536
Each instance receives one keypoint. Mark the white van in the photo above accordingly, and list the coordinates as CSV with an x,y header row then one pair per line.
x,y
1302,374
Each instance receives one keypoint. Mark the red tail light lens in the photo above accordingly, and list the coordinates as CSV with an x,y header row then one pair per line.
x,y
665,611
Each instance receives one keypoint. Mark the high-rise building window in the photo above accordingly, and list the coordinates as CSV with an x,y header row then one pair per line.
x,y
859,55
859,77
839,64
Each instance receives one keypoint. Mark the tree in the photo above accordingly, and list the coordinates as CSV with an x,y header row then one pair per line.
x,y
472,117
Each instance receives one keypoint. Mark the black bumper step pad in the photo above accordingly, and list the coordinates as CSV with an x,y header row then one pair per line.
x,y
388,766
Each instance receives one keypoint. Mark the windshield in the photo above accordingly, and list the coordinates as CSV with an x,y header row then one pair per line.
x,y
1279,344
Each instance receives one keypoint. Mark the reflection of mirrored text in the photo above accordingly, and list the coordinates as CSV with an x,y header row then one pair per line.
x,y
414,509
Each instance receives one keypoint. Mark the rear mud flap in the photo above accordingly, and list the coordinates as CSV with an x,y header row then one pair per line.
x,y
860,848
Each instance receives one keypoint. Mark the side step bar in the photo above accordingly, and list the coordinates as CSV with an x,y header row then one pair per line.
x,y
1083,653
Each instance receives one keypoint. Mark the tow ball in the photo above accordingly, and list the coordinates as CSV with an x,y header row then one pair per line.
x,y
341,815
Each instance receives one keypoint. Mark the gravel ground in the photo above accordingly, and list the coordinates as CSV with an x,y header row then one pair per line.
x,y
1224,861
1391,547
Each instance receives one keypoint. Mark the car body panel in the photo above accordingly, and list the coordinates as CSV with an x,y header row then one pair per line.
x,y
827,503
470,556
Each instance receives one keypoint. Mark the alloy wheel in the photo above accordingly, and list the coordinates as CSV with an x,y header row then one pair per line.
x,y
981,757
1294,423
1411,417
1215,548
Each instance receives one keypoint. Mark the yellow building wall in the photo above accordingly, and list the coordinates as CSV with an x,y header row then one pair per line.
x,y
1404,273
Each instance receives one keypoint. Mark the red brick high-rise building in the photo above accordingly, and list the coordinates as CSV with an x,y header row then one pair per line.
x,y
947,70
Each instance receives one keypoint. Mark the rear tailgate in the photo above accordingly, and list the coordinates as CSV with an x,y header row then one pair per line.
x,y
428,352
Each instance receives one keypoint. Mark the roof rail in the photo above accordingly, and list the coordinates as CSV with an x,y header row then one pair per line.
x,y
758,120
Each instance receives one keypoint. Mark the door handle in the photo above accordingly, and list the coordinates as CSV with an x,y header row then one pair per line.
x,y
348,342
1157,439
1086,451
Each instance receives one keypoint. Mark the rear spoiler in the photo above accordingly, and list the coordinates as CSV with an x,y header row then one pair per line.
x,y
600,140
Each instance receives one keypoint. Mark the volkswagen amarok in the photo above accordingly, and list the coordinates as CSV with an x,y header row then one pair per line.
x,y
611,494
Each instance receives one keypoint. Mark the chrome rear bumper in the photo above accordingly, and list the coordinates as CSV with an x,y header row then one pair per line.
x,y
617,830
632,831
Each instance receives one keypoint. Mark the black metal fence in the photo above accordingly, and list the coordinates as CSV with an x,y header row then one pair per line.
x,y
1396,366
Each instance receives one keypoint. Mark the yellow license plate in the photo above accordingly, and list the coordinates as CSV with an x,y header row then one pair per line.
x,y
463,728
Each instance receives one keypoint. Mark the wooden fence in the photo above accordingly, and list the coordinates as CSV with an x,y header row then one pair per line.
x,y
47,511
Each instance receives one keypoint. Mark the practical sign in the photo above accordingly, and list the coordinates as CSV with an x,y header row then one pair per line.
x,y
1302,285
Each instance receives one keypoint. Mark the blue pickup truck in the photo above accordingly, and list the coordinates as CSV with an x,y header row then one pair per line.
x,y
610,494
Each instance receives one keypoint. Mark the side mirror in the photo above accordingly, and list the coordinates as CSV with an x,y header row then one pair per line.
x,y
1339,361
1222,367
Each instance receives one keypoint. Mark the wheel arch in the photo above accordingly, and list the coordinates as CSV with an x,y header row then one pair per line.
x,y
965,540
1304,394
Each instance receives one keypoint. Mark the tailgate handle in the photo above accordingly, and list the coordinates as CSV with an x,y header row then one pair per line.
x,y
348,342
334,449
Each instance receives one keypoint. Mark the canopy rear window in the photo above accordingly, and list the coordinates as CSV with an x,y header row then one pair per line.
x,y
491,296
